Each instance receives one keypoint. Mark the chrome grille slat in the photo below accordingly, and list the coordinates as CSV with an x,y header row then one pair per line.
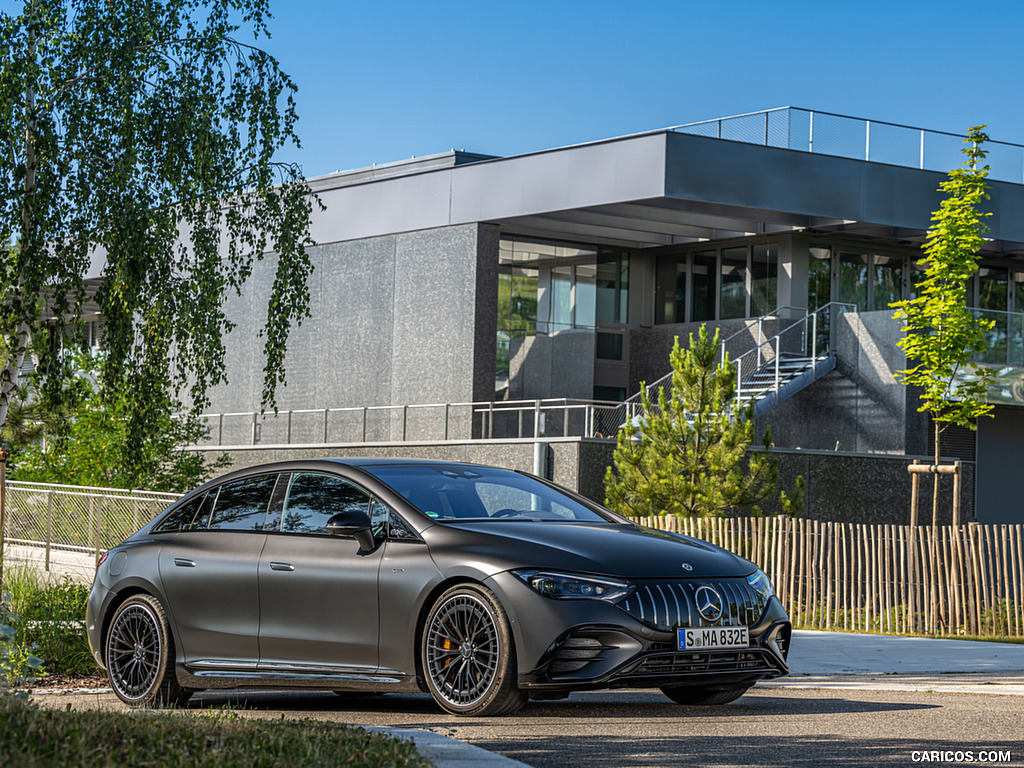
x,y
740,604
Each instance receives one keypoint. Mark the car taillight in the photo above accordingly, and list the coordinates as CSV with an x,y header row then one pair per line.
x,y
103,559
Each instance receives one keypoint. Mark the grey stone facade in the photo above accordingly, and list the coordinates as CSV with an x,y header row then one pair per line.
x,y
399,319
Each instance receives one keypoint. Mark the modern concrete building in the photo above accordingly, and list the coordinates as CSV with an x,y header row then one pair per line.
x,y
477,307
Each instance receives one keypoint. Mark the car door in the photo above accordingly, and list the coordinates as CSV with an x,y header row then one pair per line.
x,y
209,574
318,592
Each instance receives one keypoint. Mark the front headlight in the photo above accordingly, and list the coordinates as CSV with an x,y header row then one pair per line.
x,y
571,586
761,584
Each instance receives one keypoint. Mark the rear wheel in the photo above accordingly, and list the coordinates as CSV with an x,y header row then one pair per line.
x,y
468,654
704,696
140,655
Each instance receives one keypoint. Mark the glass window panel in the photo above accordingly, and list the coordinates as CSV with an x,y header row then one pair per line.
x,y
992,288
612,287
313,499
586,296
561,298
764,274
517,318
993,294
917,271
853,279
609,346
734,283
610,394
670,290
1016,351
888,281
242,504
702,282
189,517
819,277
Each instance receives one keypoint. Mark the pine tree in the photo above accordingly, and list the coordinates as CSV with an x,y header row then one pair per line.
x,y
688,454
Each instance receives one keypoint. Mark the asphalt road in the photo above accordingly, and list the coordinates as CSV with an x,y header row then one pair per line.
x,y
855,723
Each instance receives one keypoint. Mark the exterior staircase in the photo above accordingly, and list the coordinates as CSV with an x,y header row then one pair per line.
x,y
774,368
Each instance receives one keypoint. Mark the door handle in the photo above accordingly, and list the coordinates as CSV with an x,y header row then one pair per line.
x,y
184,562
282,567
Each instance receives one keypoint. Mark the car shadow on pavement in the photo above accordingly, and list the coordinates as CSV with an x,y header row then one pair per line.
x,y
633,704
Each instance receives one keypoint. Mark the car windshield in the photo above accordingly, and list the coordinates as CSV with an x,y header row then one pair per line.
x,y
481,493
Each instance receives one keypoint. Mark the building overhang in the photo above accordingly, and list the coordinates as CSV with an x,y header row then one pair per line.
x,y
653,190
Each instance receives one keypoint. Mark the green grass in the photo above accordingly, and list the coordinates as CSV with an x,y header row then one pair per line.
x,y
34,737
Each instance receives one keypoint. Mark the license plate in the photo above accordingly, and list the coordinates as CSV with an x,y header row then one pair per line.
x,y
711,638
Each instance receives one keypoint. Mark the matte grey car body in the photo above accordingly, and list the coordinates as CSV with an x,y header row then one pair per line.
x,y
483,586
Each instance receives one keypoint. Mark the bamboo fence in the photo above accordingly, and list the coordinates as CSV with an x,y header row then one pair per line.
x,y
891,579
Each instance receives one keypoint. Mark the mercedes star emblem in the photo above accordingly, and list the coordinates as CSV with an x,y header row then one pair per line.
x,y
709,603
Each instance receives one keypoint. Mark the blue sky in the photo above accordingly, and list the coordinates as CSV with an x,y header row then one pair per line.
x,y
383,81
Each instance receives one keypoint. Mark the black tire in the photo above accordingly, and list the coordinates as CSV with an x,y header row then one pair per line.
x,y
139,653
703,696
468,654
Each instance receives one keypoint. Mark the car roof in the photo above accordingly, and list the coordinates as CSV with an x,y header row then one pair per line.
x,y
365,463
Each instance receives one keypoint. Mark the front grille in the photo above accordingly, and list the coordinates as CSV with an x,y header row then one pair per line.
x,y
666,605
727,661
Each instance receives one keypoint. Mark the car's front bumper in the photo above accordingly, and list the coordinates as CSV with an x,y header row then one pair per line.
x,y
565,645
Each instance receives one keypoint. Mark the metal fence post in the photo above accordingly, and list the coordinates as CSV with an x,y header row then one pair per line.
x,y
49,527
447,411
289,427
326,411
364,423
405,421
536,418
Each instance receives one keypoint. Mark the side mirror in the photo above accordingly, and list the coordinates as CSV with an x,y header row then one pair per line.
x,y
355,523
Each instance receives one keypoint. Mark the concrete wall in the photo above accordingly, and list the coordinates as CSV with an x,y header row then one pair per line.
x,y
860,407
399,319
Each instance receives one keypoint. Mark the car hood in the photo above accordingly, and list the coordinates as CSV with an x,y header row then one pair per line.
x,y
612,549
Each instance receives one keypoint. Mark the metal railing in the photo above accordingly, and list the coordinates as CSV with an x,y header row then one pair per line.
x,y
876,141
65,528
429,422
810,336
1004,342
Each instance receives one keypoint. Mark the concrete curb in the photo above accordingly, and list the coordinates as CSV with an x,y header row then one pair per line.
x,y
446,752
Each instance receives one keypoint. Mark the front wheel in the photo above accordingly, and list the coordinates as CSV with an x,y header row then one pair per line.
x,y
704,696
468,654
140,655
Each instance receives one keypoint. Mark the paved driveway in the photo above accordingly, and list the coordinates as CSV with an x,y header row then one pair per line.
x,y
903,702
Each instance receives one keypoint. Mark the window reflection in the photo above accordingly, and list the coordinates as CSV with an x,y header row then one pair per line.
x,y
314,498
242,504
888,281
734,283
191,516
764,272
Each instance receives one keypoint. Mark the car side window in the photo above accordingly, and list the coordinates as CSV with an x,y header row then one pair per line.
x,y
399,529
193,515
315,498
242,504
